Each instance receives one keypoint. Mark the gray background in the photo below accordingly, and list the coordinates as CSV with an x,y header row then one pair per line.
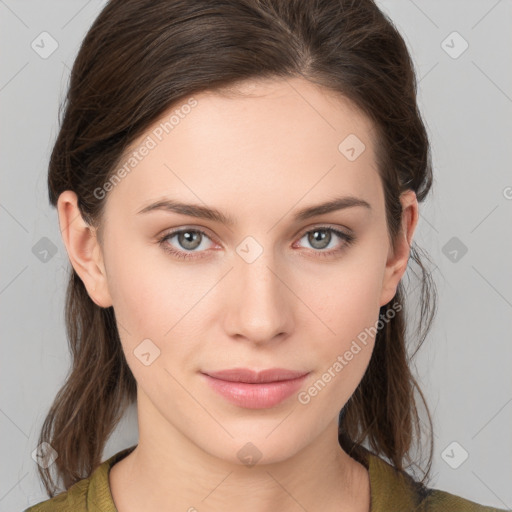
x,y
465,363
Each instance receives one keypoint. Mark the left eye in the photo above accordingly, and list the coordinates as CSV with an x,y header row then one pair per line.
x,y
191,239
320,238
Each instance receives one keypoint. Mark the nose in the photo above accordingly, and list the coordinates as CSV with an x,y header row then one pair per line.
x,y
260,303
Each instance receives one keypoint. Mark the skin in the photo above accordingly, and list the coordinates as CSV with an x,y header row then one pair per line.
x,y
258,154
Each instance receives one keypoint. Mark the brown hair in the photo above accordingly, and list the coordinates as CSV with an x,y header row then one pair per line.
x,y
138,59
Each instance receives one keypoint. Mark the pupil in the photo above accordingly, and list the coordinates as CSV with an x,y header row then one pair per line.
x,y
189,239
319,236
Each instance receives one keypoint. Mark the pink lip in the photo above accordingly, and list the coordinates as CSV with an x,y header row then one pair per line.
x,y
253,389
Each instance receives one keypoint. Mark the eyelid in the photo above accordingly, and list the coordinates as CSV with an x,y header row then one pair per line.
x,y
347,239
319,225
202,230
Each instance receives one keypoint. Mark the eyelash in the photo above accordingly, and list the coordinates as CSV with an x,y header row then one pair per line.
x,y
349,240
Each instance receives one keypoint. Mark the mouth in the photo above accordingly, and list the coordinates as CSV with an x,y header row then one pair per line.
x,y
256,376
254,389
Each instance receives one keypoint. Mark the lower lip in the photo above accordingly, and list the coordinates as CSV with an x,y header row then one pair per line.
x,y
255,396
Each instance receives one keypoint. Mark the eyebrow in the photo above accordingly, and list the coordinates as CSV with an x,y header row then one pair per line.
x,y
203,212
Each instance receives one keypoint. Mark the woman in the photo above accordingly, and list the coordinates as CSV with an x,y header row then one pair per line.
x,y
237,186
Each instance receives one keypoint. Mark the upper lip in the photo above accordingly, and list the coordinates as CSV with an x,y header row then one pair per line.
x,y
256,376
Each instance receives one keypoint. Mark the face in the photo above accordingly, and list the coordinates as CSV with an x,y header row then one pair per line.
x,y
269,289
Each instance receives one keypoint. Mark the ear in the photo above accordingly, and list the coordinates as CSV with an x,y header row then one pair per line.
x,y
398,258
83,249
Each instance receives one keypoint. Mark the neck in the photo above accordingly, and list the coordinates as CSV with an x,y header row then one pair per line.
x,y
168,472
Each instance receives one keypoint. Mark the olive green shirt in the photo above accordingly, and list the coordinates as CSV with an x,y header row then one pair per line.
x,y
391,491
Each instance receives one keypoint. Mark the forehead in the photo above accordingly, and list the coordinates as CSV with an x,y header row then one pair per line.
x,y
278,140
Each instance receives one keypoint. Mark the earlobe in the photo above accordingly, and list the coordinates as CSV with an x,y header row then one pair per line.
x,y
398,258
83,248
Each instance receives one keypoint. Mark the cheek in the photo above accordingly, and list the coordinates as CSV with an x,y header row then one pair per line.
x,y
155,297
348,305
348,302
342,355
157,300
147,291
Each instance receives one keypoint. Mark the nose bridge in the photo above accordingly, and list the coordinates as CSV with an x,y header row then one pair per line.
x,y
260,298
